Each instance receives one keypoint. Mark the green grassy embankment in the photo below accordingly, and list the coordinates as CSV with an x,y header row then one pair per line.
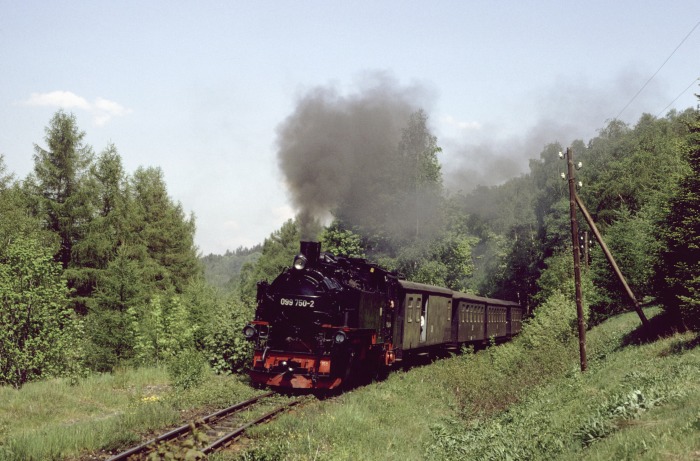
x,y
639,399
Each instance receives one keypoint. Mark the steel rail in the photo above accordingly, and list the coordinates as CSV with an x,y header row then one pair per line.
x,y
223,440
187,427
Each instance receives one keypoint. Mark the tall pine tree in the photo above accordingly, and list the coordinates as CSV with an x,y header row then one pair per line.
x,y
678,273
164,232
62,199
59,171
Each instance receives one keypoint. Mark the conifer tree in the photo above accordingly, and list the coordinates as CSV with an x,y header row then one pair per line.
x,y
107,229
58,173
163,232
678,273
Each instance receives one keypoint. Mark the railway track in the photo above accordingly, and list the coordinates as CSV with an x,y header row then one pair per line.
x,y
208,434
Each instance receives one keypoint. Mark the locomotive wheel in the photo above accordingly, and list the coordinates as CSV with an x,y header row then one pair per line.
x,y
350,371
380,373
377,370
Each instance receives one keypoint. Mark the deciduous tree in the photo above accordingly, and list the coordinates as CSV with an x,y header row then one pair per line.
x,y
36,324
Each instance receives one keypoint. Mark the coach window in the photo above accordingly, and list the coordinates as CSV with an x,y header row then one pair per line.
x,y
409,314
423,319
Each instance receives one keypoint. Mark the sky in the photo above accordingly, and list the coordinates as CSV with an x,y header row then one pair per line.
x,y
200,89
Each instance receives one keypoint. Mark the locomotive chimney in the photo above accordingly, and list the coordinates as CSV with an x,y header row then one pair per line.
x,y
312,251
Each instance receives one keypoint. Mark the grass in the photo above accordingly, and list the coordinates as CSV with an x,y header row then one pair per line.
x,y
525,400
56,420
638,400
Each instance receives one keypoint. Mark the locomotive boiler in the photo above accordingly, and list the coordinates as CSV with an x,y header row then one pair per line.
x,y
330,321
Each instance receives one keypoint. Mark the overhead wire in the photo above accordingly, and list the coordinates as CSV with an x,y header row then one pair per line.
x,y
679,95
658,70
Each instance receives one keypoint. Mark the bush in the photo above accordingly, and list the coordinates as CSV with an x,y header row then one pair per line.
x,y
491,380
187,369
554,320
226,348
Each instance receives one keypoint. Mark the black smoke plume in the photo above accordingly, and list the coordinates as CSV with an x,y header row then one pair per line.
x,y
339,153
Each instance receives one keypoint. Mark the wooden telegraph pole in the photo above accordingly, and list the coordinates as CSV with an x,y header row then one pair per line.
x,y
577,259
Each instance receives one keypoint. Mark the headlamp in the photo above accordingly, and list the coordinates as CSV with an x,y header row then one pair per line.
x,y
340,337
300,262
249,331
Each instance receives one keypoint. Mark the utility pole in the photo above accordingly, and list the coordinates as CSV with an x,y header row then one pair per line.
x,y
577,258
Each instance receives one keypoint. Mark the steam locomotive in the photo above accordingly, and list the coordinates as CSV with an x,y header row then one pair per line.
x,y
329,321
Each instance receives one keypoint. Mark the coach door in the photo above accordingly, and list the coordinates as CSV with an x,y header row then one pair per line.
x,y
413,304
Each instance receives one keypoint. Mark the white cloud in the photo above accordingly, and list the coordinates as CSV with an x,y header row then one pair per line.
x,y
102,110
65,99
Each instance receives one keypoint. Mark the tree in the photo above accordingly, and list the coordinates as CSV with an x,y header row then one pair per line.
x,y
164,232
110,226
15,220
222,271
59,172
122,286
36,324
421,175
161,328
340,241
228,351
678,272
522,266
419,149
632,241
277,254
633,168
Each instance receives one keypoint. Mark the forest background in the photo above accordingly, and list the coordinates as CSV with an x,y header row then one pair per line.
x,y
98,266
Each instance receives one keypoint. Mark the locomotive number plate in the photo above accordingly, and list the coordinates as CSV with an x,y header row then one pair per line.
x,y
296,302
